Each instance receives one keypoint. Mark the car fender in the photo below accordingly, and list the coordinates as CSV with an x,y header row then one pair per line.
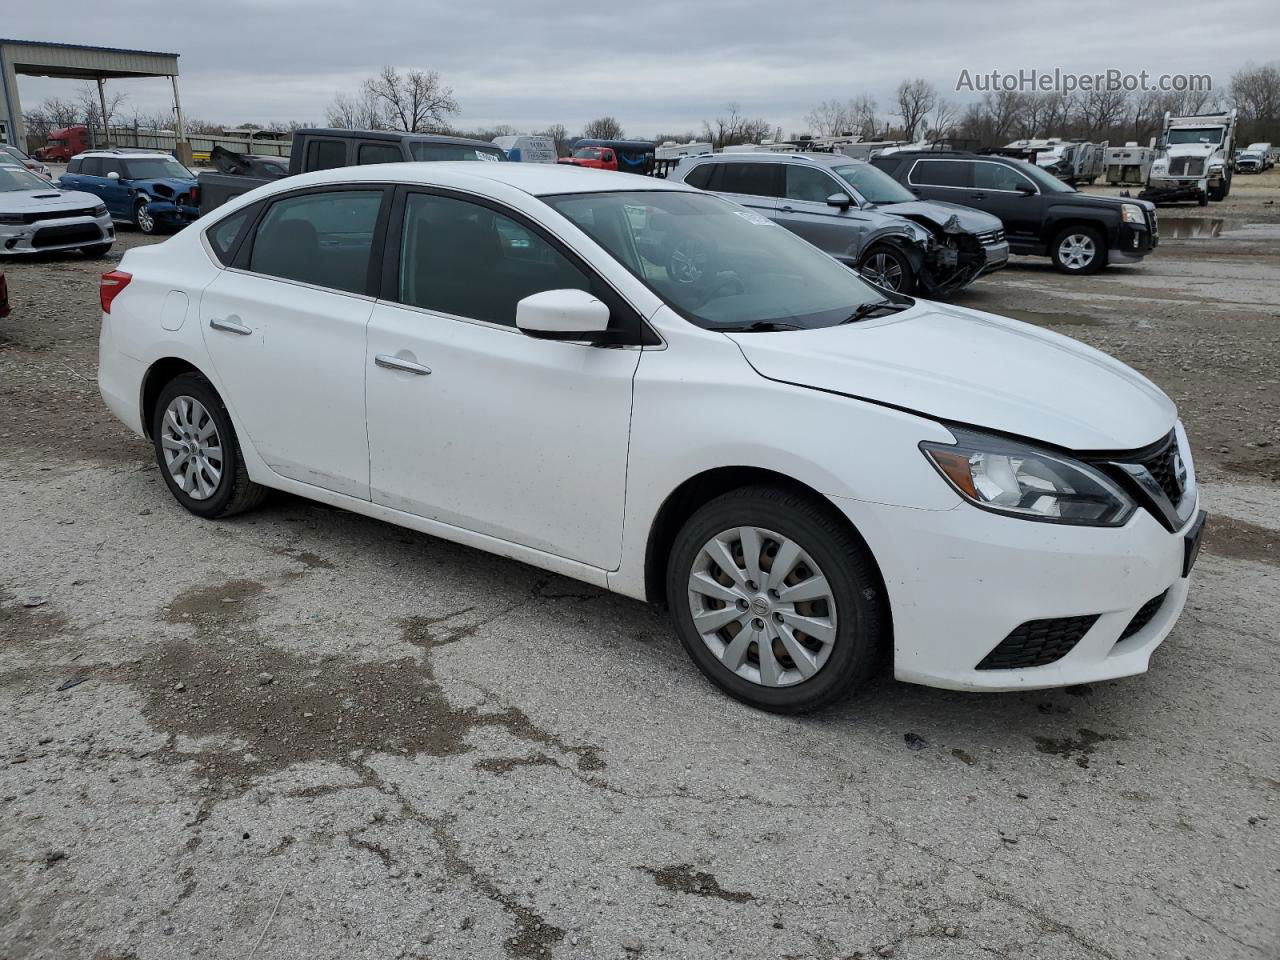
x,y
1057,215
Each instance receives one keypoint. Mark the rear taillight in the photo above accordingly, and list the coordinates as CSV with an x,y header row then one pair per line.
x,y
110,285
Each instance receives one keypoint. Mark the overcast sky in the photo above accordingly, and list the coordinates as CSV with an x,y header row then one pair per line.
x,y
657,65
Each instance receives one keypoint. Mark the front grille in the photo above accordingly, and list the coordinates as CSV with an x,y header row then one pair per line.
x,y
1038,642
72,233
1163,467
56,215
990,237
1186,167
1143,616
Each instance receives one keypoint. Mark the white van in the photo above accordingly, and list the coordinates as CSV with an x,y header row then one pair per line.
x,y
528,149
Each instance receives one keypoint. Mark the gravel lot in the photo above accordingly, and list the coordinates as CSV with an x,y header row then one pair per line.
x,y
301,733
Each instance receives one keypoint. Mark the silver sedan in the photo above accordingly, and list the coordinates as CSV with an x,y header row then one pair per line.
x,y
36,216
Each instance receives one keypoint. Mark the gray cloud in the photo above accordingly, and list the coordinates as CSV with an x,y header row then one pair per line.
x,y
658,66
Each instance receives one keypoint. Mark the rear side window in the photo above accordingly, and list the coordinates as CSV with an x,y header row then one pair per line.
x,y
378,153
941,173
224,236
996,176
321,238
91,166
700,175
74,166
754,179
326,154
467,260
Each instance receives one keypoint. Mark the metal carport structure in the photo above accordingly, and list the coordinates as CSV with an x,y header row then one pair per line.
x,y
77,62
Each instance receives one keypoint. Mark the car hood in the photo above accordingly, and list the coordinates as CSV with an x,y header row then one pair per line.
x,y
50,198
960,365
939,212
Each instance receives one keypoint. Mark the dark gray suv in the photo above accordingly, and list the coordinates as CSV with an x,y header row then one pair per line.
x,y
860,216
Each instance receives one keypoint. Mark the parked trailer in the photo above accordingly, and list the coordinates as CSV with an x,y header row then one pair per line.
x,y
1130,164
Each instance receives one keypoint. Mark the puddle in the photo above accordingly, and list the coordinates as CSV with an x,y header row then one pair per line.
x,y
1197,228
1057,319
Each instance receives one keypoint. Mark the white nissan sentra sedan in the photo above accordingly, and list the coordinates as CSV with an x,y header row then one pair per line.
x,y
654,390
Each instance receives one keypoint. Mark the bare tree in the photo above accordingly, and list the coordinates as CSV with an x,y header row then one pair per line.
x,y
830,118
1100,111
360,111
942,121
1255,92
560,137
734,128
915,98
603,128
91,106
415,101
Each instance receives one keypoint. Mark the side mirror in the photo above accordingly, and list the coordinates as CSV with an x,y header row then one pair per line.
x,y
562,315
1026,189
841,200
113,175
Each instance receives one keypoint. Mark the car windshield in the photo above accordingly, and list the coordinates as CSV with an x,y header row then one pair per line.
x,y
14,152
156,168
16,178
873,184
587,153
428,151
717,264
1196,135
1046,181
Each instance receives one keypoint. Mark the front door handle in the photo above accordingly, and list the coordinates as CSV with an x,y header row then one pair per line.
x,y
977,196
787,209
230,325
389,362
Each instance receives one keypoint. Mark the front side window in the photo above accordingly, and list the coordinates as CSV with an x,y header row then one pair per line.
x,y
378,153
326,154
996,176
91,167
468,260
873,184
111,166
74,166
720,266
941,173
809,184
156,168
319,238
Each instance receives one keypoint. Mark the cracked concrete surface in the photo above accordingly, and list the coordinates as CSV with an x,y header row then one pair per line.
x,y
302,733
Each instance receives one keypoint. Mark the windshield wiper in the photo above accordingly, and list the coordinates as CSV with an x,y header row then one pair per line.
x,y
865,310
758,326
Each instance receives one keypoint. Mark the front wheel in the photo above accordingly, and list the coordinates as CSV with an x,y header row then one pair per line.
x,y
1079,250
143,217
197,450
888,269
777,602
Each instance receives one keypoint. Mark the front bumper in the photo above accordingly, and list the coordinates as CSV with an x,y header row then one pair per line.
x,y
173,214
65,233
997,256
1133,242
961,580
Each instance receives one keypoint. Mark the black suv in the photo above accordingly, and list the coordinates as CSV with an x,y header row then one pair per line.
x,y
1043,217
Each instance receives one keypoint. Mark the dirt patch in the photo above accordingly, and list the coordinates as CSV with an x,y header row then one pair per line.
x,y
214,605
1080,747
682,878
1241,540
20,622
1266,466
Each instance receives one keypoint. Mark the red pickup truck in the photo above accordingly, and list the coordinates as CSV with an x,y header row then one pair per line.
x,y
629,156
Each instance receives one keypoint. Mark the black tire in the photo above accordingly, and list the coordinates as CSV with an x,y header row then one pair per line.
x,y
1202,200
235,492
869,265
142,218
862,634
1098,261
96,251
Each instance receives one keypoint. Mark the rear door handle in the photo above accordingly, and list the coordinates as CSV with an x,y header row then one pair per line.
x,y
977,196
787,209
395,363
230,325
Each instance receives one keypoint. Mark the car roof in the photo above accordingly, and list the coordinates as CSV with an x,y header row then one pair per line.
x,y
391,136
537,179
766,156
126,154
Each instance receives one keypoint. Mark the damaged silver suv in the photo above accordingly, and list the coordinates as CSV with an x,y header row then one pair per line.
x,y
859,215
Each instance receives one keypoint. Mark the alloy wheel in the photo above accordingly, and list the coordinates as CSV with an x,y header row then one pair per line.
x,y
884,271
192,448
146,222
1077,250
762,606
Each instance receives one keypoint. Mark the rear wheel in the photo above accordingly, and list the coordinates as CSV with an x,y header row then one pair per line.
x,y
775,600
1078,249
197,450
888,269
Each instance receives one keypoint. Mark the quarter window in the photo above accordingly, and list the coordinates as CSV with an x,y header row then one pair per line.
x,y
700,175
74,166
996,176
225,235
752,179
809,184
326,154
378,153
941,173
319,238
467,260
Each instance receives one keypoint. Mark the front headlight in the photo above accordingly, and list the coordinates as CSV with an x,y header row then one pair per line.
x,y
100,210
1215,170
12,219
1160,165
1023,481
1132,213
